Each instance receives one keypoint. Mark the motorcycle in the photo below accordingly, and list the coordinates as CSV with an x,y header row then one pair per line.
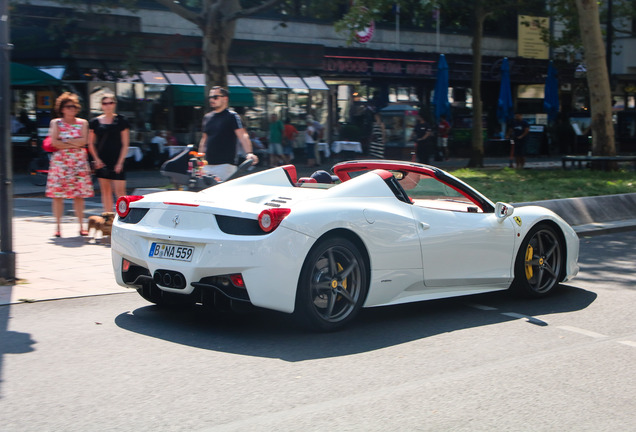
x,y
185,171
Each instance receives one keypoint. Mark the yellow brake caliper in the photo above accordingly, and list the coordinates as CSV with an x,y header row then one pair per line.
x,y
529,252
334,283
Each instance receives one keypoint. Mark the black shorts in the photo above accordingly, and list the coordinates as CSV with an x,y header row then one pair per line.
x,y
109,173
520,149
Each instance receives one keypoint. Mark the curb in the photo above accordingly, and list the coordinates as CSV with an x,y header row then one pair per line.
x,y
600,228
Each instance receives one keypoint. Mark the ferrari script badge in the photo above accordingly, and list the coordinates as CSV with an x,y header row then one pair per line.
x,y
518,220
176,220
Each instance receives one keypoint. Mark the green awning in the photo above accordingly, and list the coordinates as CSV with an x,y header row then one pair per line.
x,y
241,97
194,95
23,75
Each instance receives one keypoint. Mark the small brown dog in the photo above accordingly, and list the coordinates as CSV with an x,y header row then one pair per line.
x,y
103,223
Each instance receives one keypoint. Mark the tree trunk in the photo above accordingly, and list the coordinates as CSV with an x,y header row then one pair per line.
x,y
597,78
218,33
217,22
477,154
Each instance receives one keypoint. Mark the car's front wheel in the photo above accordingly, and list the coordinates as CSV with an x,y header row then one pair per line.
x,y
539,262
332,285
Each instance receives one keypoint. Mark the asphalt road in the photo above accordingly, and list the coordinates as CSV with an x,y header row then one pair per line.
x,y
482,363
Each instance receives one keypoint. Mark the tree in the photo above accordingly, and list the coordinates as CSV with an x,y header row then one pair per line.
x,y
217,21
597,78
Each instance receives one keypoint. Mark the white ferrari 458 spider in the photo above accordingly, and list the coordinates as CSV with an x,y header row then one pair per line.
x,y
383,233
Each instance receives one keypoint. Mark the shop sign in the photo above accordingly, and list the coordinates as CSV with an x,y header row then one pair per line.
x,y
44,99
371,66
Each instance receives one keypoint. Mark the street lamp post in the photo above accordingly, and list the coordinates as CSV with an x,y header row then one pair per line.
x,y
7,256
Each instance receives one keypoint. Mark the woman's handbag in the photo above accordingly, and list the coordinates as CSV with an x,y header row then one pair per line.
x,y
47,145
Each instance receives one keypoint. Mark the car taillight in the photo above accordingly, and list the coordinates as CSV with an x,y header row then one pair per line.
x,y
123,204
237,280
269,219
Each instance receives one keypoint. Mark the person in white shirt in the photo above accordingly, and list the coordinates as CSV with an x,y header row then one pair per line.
x,y
310,143
15,124
161,142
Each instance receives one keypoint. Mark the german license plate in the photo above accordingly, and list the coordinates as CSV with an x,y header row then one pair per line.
x,y
169,251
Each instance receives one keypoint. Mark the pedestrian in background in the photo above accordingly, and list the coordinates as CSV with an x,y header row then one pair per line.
x,y
16,125
443,131
108,144
318,134
171,139
222,128
289,138
275,141
518,131
69,173
378,138
310,143
159,143
421,135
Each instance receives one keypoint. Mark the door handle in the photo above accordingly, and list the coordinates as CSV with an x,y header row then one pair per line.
x,y
424,226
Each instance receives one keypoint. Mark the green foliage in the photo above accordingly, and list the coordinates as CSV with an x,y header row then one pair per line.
x,y
456,16
567,41
510,185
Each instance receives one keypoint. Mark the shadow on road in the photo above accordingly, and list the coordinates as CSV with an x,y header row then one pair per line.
x,y
274,335
11,342
595,265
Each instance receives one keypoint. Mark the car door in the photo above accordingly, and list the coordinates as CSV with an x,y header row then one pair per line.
x,y
461,244
461,249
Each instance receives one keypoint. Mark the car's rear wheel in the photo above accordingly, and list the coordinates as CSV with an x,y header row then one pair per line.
x,y
539,262
153,294
332,285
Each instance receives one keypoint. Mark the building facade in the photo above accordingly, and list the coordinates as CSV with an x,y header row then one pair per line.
x,y
294,70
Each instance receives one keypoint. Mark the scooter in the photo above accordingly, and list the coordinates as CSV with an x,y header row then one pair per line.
x,y
185,171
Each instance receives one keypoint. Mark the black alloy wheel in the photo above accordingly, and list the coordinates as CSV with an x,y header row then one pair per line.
x,y
332,286
539,263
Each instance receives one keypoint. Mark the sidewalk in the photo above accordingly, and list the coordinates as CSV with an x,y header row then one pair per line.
x,y
51,268
22,185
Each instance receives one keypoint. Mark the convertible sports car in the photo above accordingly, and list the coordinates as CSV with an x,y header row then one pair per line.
x,y
384,233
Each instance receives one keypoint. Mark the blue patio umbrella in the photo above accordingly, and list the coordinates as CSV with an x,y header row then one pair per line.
x,y
551,97
504,104
440,98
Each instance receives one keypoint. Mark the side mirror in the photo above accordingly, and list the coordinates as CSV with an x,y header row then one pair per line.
x,y
503,210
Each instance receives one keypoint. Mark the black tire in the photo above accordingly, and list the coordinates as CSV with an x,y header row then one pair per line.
x,y
332,286
539,263
153,294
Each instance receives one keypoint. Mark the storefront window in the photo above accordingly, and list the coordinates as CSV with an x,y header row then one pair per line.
x,y
399,122
24,119
297,108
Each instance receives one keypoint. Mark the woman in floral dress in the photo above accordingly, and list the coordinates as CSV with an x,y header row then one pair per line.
x,y
69,172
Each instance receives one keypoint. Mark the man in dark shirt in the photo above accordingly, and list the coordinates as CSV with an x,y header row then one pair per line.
x,y
518,130
221,129
421,134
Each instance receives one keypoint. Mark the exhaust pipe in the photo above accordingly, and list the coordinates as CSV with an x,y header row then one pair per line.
x,y
169,279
